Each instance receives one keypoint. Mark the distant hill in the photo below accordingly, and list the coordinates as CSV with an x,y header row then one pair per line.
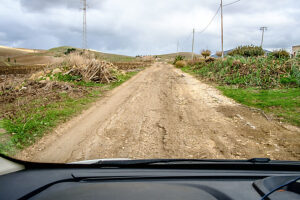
x,y
187,55
10,51
34,56
21,56
60,51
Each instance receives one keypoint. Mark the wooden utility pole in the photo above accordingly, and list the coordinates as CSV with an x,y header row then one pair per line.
x,y
177,47
263,29
193,44
222,28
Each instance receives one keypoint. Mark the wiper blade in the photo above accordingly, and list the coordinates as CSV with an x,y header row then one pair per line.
x,y
192,162
178,161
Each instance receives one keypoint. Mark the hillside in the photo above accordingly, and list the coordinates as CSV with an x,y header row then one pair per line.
x,y
10,51
60,51
187,55
19,56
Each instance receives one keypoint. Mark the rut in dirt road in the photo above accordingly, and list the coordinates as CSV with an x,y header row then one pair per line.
x,y
164,113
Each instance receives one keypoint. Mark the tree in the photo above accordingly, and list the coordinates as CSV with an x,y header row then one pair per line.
x,y
219,53
205,53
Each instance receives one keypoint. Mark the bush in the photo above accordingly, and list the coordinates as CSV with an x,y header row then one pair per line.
x,y
181,63
197,61
280,54
178,58
8,59
210,59
247,51
219,53
69,50
264,72
205,53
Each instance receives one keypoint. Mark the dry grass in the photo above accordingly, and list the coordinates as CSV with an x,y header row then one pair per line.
x,y
181,63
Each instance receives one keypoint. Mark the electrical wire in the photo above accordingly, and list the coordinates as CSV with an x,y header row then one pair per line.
x,y
279,187
212,19
184,40
228,4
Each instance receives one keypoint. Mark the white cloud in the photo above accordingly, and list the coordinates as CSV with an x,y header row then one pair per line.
x,y
148,26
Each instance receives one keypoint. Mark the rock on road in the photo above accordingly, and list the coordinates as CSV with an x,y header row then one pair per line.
x,y
164,113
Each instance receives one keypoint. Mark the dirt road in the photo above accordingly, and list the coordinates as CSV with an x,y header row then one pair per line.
x,y
164,113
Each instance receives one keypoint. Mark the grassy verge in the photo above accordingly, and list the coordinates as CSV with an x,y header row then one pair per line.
x,y
29,125
283,103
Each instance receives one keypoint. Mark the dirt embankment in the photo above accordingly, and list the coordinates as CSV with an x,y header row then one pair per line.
x,y
164,113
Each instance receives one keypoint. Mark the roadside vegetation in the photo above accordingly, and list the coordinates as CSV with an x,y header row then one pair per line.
x,y
268,82
33,105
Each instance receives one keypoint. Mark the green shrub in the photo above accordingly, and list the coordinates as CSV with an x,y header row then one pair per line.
x,y
8,59
263,72
280,54
178,58
67,77
247,51
69,50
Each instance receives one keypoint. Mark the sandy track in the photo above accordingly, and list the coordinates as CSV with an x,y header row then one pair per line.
x,y
164,113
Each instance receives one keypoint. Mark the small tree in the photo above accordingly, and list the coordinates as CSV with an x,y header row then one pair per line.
x,y
15,61
247,51
8,59
205,53
178,58
219,53
280,54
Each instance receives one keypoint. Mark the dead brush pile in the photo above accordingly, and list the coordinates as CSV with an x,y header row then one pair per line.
x,y
89,68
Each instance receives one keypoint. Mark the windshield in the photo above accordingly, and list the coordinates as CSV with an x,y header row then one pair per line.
x,y
85,79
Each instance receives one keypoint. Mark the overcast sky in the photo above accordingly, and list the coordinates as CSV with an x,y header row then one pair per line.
x,y
135,27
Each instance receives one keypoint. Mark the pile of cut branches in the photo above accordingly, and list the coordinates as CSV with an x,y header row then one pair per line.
x,y
90,69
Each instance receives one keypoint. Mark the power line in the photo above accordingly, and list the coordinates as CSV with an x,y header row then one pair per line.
x,y
228,4
183,41
187,38
212,19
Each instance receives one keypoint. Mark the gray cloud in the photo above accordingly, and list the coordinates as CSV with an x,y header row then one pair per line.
x,y
43,5
148,26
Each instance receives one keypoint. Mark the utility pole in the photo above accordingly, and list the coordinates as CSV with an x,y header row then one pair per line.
x,y
84,40
263,29
193,44
222,28
177,47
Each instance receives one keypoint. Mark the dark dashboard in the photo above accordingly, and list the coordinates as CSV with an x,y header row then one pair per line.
x,y
130,183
